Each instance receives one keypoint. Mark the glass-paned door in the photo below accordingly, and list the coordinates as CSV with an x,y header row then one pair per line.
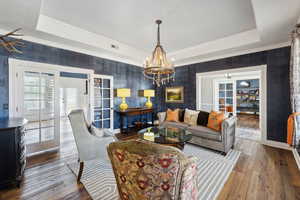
x,y
37,102
224,95
103,101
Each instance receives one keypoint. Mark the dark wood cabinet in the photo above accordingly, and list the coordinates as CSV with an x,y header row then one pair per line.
x,y
141,112
12,151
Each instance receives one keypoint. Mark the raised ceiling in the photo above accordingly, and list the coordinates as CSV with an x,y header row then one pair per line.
x,y
185,23
192,30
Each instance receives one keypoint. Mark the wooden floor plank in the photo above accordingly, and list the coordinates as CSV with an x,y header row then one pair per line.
x,y
261,173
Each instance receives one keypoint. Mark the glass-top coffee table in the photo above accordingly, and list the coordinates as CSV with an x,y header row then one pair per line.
x,y
166,135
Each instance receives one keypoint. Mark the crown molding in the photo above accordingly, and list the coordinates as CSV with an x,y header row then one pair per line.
x,y
59,45
237,53
50,26
31,38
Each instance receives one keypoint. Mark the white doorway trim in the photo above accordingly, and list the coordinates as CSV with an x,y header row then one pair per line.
x,y
16,66
14,63
262,71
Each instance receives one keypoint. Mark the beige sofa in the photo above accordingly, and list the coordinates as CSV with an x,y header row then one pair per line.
x,y
221,141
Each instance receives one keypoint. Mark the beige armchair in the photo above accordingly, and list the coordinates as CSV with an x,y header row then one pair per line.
x,y
145,170
90,146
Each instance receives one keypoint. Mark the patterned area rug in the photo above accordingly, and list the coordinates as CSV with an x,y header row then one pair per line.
x,y
214,169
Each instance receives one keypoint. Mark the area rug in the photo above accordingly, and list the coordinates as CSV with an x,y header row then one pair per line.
x,y
214,169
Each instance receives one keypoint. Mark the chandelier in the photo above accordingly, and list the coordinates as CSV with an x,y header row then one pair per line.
x,y
158,68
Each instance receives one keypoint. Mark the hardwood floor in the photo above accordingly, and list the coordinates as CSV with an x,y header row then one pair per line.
x,y
248,121
261,173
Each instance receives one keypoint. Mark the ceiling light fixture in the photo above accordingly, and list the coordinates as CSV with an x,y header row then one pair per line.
x,y
158,68
244,84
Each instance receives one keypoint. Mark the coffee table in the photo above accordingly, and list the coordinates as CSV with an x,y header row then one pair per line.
x,y
171,136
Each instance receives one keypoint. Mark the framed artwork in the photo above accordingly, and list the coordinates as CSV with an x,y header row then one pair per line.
x,y
174,95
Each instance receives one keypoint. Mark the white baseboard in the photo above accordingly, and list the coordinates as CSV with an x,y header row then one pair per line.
x,y
42,152
297,157
280,145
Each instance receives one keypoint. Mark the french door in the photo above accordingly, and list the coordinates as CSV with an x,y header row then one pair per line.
x,y
224,96
36,99
102,107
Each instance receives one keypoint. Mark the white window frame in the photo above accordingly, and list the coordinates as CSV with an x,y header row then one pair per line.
x,y
216,93
111,78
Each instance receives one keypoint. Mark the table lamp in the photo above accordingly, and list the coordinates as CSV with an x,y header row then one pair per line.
x,y
123,93
148,94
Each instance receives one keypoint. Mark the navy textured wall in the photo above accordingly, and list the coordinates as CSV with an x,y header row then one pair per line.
x,y
278,102
125,75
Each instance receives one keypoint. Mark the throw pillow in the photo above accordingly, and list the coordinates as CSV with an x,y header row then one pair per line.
x,y
215,120
193,120
181,115
187,115
203,118
161,117
172,115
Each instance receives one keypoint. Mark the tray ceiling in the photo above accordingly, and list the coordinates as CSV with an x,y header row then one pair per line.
x,y
192,30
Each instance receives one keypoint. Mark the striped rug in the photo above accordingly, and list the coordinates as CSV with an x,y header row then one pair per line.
x,y
214,169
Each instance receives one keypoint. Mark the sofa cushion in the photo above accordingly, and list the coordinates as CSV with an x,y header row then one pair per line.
x,y
161,117
175,124
203,118
172,115
215,120
187,115
204,132
193,120
181,115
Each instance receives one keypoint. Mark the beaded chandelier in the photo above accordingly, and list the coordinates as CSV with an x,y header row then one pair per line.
x,y
158,68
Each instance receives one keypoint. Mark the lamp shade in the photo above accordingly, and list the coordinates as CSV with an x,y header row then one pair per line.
x,y
147,93
123,92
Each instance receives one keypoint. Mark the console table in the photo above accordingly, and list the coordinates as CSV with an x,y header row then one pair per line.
x,y
133,112
12,151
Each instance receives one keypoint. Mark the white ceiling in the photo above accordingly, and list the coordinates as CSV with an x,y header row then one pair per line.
x,y
192,30
185,23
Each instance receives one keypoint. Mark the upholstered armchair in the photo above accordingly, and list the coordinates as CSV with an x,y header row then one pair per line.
x,y
145,170
91,142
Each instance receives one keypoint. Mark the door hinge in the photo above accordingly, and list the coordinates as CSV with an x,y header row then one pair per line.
x,y
17,109
17,74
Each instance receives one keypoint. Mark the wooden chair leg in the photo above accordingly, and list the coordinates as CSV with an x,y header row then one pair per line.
x,y
80,171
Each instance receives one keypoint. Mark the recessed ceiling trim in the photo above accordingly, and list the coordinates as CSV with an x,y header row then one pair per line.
x,y
74,48
237,40
237,53
58,28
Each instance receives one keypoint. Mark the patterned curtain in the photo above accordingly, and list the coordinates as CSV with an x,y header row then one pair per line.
x,y
295,80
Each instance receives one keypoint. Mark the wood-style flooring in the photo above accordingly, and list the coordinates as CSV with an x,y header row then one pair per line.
x,y
248,121
261,173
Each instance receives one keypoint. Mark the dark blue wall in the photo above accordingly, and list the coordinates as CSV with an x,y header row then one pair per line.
x,y
125,75
278,102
